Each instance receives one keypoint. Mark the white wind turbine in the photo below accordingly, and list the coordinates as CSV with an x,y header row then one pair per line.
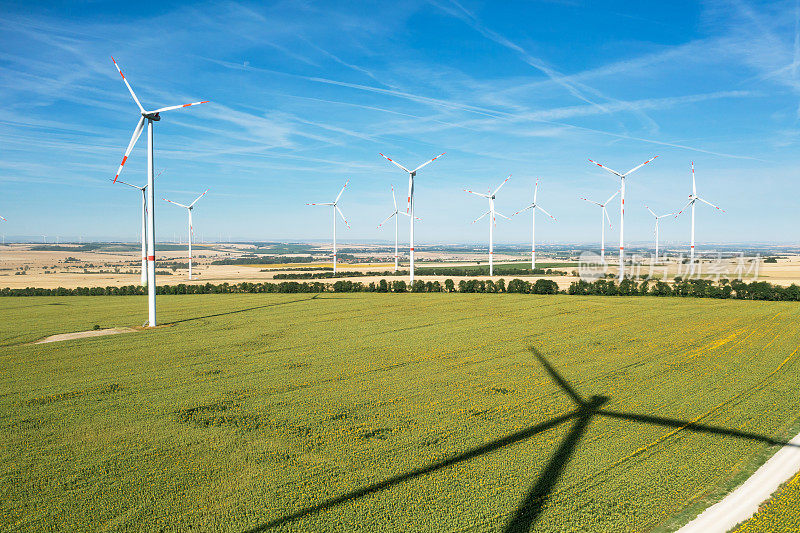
x,y
150,117
335,209
492,213
143,189
603,217
191,228
622,210
657,217
692,199
394,214
410,206
533,207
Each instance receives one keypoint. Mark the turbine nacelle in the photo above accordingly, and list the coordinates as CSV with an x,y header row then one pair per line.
x,y
152,116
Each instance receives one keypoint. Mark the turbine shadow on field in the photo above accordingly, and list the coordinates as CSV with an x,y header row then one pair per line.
x,y
240,310
532,505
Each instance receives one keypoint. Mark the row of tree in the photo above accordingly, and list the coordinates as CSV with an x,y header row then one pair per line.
x,y
697,288
541,286
330,274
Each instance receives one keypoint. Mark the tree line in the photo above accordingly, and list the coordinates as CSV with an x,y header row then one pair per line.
x,y
692,288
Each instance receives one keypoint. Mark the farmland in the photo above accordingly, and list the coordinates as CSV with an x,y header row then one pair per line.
x,y
780,512
335,412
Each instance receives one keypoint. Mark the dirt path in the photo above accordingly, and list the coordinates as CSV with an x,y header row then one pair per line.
x,y
743,502
82,334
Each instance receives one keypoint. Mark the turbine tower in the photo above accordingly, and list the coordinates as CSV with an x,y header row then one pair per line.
x,y
622,210
143,190
657,217
533,207
692,199
491,212
394,214
603,217
410,207
335,209
191,228
150,117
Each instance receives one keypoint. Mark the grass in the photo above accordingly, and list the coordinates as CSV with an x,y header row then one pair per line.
x,y
386,412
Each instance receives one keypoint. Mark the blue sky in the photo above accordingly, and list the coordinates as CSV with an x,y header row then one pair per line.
x,y
304,95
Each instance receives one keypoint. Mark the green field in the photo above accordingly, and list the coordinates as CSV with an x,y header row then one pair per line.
x,y
779,513
388,412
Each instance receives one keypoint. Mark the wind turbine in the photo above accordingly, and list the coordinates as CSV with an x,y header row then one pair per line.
x,y
533,207
150,117
692,199
658,217
143,189
492,213
394,214
603,217
191,228
622,210
335,209
410,206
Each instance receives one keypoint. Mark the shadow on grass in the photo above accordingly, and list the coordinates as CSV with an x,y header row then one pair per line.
x,y
243,310
530,508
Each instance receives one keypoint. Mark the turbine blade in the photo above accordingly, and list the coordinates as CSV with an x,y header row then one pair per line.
x,y
606,168
176,203
195,200
135,137
651,211
612,197
535,191
341,215
387,219
634,169
709,203
592,201
605,212
690,202
501,185
480,217
532,206
392,161
394,200
129,185
410,187
128,85
429,162
545,212
498,213
170,108
340,192
325,203
694,187
477,193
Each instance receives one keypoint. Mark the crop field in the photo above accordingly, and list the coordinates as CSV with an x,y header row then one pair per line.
x,y
388,412
779,513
